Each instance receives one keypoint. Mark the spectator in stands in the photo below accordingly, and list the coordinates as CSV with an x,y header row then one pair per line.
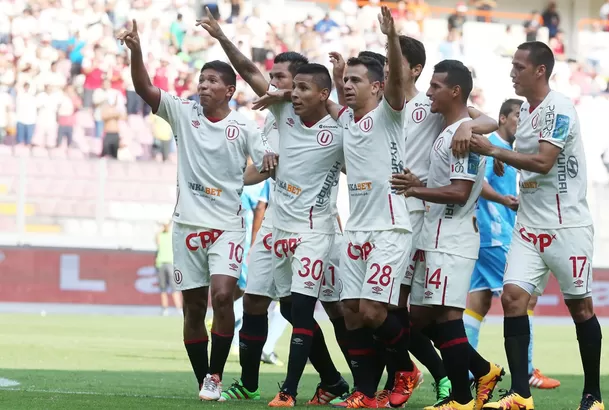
x,y
26,113
93,68
69,104
557,45
485,6
177,32
163,137
551,19
111,114
420,11
164,267
531,26
6,109
458,18
46,120
326,24
604,13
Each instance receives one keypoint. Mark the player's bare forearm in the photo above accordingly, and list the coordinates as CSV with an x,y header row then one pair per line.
x,y
490,194
141,81
244,66
333,109
450,194
339,84
251,176
481,123
394,89
539,162
340,223
258,217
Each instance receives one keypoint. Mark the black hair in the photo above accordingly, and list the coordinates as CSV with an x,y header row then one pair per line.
x,y
457,74
539,54
320,74
413,50
371,54
508,106
225,70
294,59
375,69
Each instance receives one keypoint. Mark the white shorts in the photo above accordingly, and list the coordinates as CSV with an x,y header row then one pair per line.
x,y
200,252
260,279
567,252
299,262
441,279
416,220
373,265
331,284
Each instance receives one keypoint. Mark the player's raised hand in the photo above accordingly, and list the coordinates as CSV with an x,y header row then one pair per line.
x,y
511,202
481,145
131,37
269,162
498,168
270,98
386,22
210,24
461,140
404,181
338,64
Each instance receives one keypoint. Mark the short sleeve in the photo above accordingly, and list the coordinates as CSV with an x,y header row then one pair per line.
x,y
257,145
265,192
396,116
489,172
279,110
464,168
171,108
343,116
559,122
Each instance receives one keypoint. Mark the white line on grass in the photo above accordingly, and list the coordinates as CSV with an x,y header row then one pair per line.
x,y
93,393
8,382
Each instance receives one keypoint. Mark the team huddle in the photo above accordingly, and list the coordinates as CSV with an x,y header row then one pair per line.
x,y
396,281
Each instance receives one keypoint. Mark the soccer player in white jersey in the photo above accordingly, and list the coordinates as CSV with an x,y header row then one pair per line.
x,y
208,230
261,289
449,239
374,259
554,228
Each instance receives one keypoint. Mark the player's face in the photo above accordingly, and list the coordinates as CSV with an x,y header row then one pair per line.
x,y
511,122
440,94
524,74
281,76
212,90
307,96
358,87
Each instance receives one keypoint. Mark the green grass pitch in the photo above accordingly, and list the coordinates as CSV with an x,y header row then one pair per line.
x,y
105,362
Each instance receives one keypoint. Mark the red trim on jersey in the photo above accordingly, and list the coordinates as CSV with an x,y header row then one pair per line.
x,y
252,338
532,108
356,119
444,291
242,220
308,124
391,290
558,209
391,210
311,218
213,119
438,233
342,110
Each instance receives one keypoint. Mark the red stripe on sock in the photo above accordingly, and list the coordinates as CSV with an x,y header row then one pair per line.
x,y
252,338
361,352
193,341
316,328
222,334
302,331
453,342
395,339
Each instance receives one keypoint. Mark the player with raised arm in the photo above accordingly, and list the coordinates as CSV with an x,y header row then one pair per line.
x,y
496,217
374,259
554,230
208,230
261,286
449,240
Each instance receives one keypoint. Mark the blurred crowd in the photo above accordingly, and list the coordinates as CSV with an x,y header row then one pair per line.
x,y
65,84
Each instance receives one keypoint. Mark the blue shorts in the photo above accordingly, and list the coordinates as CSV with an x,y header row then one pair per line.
x,y
489,269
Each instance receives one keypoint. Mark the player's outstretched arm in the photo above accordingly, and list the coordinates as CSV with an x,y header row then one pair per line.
x,y
244,66
141,81
271,98
252,176
338,73
394,88
541,162
258,218
457,192
480,124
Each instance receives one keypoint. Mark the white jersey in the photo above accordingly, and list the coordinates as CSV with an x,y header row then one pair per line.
x,y
212,159
452,228
557,199
334,205
271,133
374,150
310,162
421,131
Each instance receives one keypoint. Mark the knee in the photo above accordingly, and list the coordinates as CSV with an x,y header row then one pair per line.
x,y
514,301
373,313
222,299
194,311
333,309
255,305
420,316
581,309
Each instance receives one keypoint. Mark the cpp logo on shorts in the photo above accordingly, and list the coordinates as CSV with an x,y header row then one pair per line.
x,y
177,276
544,239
